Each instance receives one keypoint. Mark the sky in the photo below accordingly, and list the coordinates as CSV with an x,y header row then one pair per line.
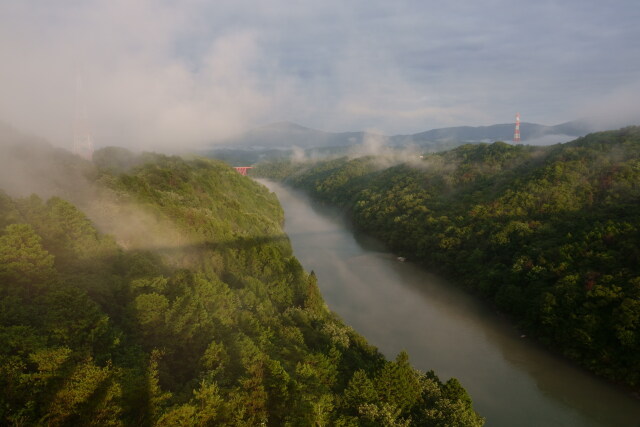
x,y
157,74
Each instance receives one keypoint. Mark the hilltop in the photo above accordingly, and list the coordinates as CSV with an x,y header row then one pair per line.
x,y
160,291
548,235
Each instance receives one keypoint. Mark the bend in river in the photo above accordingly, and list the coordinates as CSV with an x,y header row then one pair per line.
x,y
399,306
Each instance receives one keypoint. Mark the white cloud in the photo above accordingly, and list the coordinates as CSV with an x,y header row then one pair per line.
x,y
164,74
138,90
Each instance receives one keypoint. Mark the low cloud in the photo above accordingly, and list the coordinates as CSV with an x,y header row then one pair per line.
x,y
384,155
30,166
173,76
137,90
549,140
373,144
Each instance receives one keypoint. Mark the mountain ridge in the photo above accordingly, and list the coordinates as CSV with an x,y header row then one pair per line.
x,y
548,235
286,134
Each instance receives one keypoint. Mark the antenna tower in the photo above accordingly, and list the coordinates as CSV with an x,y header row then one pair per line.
x,y
516,134
82,139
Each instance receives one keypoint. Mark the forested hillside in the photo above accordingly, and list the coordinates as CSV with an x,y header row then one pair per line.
x,y
550,235
191,311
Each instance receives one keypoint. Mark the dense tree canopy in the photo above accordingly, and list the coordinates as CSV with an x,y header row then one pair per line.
x,y
549,234
199,314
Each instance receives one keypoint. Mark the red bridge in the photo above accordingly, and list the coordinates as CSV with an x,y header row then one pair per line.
x,y
243,169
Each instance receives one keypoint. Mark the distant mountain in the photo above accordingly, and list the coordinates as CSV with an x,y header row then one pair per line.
x,y
284,135
499,132
287,134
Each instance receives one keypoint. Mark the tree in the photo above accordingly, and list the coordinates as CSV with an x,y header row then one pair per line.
x,y
25,267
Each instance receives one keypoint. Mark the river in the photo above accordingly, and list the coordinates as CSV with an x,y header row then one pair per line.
x,y
400,306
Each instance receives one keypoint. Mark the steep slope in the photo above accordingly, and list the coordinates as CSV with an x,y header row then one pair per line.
x,y
548,234
193,312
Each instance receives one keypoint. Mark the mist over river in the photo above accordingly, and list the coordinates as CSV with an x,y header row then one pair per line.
x,y
399,306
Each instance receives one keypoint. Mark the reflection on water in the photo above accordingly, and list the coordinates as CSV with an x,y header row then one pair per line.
x,y
399,306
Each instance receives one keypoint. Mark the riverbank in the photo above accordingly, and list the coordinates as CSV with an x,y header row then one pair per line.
x,y
399,306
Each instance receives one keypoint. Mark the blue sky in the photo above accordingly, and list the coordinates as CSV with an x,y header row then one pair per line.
x,y
161,73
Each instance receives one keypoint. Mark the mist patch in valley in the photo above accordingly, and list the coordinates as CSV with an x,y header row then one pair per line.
x,y
30,165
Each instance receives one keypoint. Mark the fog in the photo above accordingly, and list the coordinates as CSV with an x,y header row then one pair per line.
x,y
175,76
29,165
137,93
549,140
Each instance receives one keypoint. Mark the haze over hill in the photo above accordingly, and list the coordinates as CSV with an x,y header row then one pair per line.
x,y
547,234
288,134
284,135
166,293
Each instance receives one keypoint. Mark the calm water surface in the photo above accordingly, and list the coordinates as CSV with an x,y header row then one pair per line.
x,y
400,306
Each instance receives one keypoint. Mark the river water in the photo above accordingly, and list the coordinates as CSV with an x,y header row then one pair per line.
x,y
399,306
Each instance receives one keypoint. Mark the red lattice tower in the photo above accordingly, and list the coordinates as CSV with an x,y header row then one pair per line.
x,y
516,134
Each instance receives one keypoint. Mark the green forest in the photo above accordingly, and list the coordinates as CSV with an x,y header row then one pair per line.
x,y
548,235
154,290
